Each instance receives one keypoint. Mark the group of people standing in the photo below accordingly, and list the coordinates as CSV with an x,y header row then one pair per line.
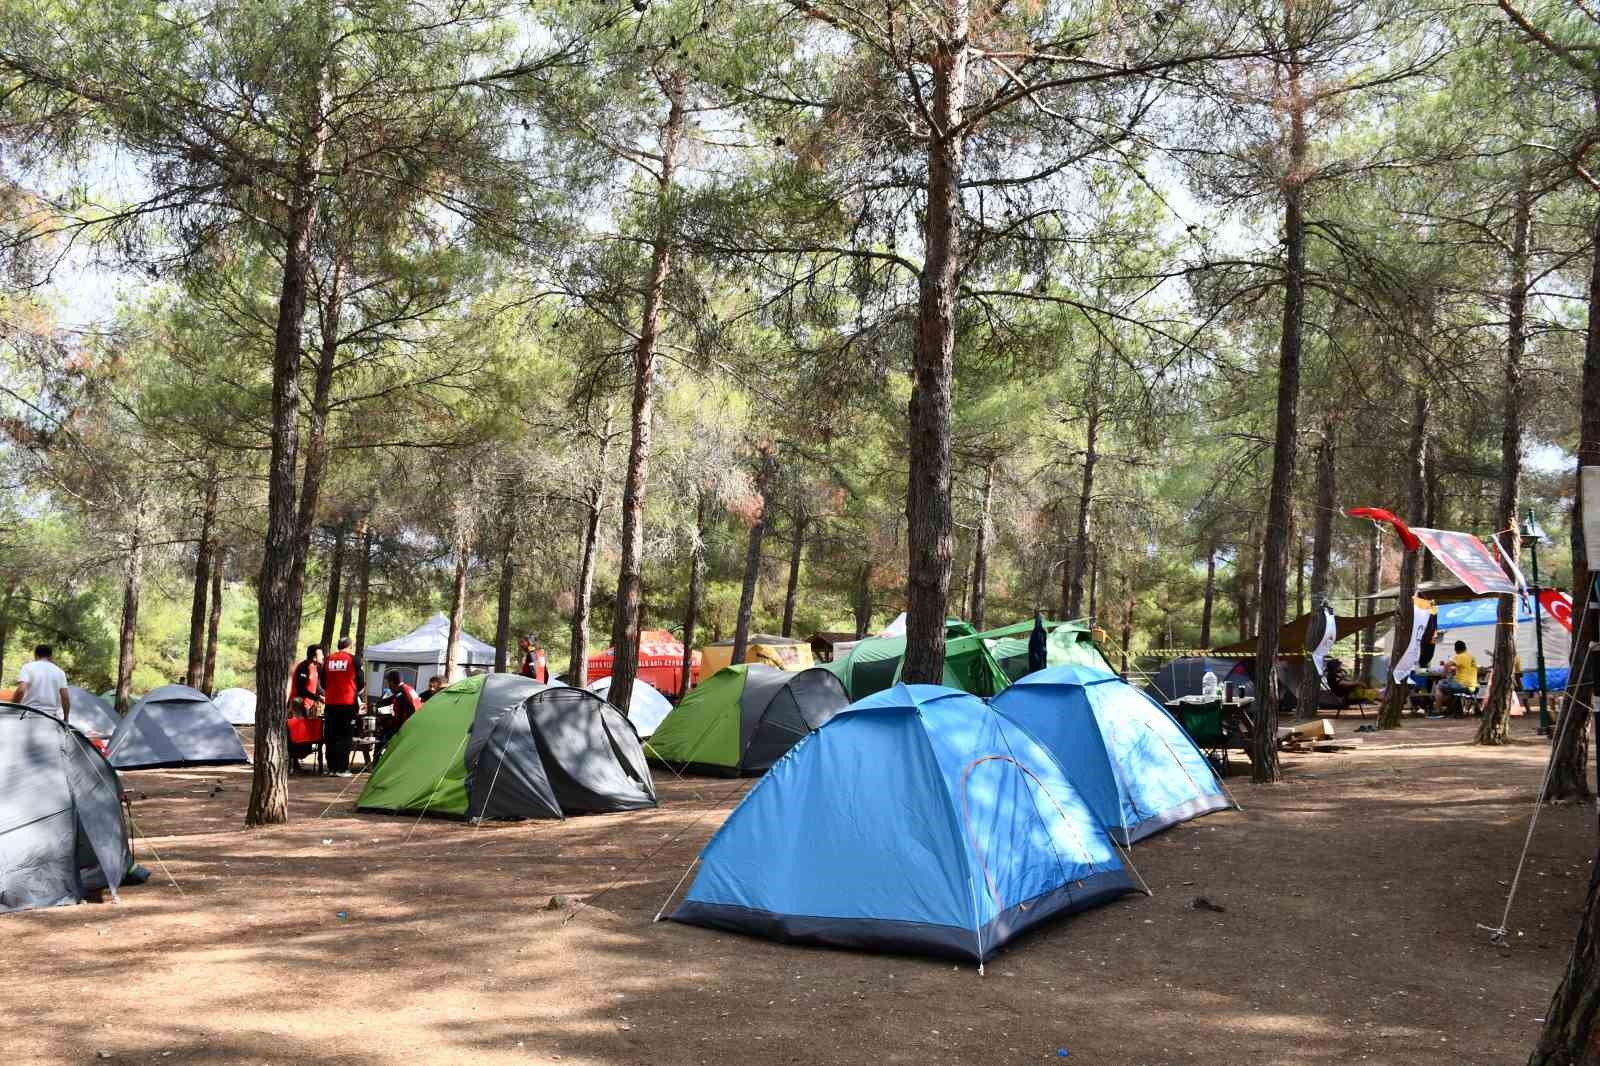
x,y
333,687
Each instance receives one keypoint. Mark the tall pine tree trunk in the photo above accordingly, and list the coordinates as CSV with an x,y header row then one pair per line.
x,y
928,512
502,615
1066,583
208,676
363,588
1496,725
132,582
1210,596
330,608
1432,478
583,590
1321,561
863,604
1094,580
980,551
205,547
1571,1035
752,561
791,595
630,574
358,542
697,570
1127,620
1396,693
1366,639
458,605
1275,544
1091,457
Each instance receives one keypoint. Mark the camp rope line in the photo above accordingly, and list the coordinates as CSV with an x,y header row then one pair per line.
x,y
155,854
435,793
1501,933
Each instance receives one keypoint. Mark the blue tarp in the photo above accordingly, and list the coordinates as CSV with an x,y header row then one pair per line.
x,y
1135,767
917,820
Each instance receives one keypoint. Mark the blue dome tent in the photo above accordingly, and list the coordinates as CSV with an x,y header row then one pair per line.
x,y
975,836
1134,766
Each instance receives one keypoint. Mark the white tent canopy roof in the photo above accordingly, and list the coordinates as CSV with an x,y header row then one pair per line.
x,y
425,646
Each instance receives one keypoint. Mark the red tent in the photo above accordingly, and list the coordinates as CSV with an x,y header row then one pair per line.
x,y
660,663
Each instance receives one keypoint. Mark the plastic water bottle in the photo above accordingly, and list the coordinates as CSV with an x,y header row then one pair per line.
x,y
1208,685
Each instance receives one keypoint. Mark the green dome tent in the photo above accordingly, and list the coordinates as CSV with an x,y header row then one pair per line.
x,y
743,718
1068,644
505,746
874,665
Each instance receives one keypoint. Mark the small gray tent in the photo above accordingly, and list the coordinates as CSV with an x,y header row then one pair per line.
x,y
238,705
62,833
174,726
91,714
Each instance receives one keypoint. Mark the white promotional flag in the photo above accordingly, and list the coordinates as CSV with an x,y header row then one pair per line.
x,y
1405,659
1330,633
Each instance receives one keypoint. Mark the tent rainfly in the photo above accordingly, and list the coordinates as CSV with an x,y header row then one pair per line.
x,y
1134,766
174,726
1068,643
505,746
91,714
785,653
917,820
420,654
743,718
874,665
647,708
62,833
238,705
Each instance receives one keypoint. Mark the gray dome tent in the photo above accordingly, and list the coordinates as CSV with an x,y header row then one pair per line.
x,y
91,714
174,726
62,834
238,705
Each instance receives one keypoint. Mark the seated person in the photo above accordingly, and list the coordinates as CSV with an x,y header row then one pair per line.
x,y
401,701
1461,677
1339,681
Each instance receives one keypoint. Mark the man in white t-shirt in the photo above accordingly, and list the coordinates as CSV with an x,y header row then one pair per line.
x,y
42,686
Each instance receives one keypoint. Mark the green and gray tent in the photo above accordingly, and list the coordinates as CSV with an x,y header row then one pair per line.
x,y
875,664
743,718
505,746
1068,644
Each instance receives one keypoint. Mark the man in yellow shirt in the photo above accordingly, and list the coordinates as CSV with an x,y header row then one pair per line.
x,y
1461,677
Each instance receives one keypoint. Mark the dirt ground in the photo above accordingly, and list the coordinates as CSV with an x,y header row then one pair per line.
x,y
1351,893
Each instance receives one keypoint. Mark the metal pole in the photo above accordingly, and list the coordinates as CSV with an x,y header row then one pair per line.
x,y
1538,639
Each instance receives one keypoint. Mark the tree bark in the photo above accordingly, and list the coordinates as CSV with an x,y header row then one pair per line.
x,y
358,542
1367,637
1321,560
1299,575
1210,596
1571,1035
1496,725
752,561
1396,693
1432,478
630,573
279,614
1066,583
1127,621
863,604
791,595
208,676
980,552
1275,546
202,584
330,608
583,591
458,607
1091,457
1094,580
1568,776
363,589
502,617
928,514
132,581
697,569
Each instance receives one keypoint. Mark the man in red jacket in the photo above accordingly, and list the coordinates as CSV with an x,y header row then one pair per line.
x,y
341,688
533,661
403,702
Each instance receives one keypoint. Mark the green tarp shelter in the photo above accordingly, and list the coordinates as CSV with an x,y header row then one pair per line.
x,y
1068,644
744,717
874,665
505,746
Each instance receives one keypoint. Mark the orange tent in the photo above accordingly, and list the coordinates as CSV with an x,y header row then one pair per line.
x,y
660,663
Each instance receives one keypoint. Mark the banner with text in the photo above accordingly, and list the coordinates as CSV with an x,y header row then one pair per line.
x,y
1466,557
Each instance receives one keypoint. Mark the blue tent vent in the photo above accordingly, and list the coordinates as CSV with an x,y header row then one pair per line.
x,y
917,820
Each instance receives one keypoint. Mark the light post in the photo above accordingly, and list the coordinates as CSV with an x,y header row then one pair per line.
x,y
1535,536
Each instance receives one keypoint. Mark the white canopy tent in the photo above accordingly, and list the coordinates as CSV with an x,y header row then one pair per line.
x,y
419,655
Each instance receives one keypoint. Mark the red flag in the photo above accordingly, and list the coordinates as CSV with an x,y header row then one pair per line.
x,y
1378,514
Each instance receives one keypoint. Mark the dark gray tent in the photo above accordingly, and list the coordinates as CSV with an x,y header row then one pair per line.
x,y
62,833
91,714
504,746
560,751
1183,677
744,718
174,726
